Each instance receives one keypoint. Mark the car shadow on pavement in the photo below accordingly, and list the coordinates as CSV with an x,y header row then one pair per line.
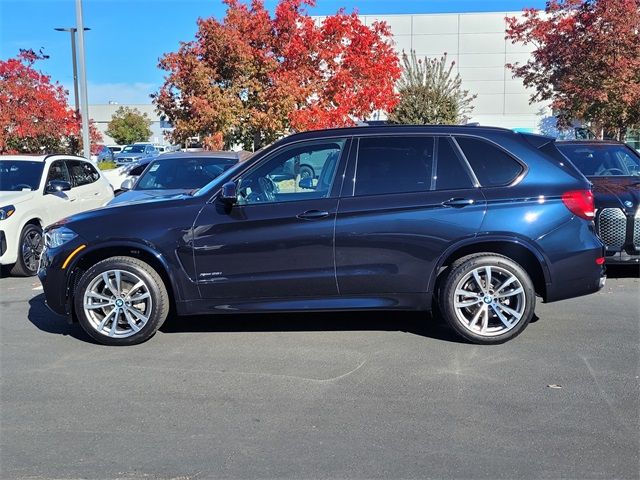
x,y
49,322
417,323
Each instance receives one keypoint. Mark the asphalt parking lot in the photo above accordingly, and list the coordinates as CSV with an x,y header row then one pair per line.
x,y
384,395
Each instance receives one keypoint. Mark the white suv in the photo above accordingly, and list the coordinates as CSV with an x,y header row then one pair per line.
x,y
36,191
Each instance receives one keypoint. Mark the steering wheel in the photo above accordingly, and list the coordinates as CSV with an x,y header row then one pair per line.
x,y
609,171
20,186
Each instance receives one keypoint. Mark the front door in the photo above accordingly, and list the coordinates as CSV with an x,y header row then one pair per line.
x,y
277,240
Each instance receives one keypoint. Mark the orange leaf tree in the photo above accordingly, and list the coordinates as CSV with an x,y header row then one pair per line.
x,y
253,76
586,61
34,114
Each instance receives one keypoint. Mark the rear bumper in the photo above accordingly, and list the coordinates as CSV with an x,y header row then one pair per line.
x,y
577,276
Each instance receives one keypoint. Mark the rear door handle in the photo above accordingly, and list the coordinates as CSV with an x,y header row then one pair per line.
x,y
458,202
313,214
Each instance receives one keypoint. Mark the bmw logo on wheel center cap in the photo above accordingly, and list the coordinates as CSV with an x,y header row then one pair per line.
x,y
119,302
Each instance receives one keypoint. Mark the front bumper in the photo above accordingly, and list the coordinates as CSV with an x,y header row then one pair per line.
x,y
55,279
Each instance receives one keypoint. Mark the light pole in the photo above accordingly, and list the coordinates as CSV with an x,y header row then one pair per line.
x,y
72,31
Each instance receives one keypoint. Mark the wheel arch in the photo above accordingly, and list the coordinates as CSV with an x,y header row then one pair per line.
x,y
517,249
91,256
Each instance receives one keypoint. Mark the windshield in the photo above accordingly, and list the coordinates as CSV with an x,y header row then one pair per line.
x,y
606,160
17,175
183,173
133,149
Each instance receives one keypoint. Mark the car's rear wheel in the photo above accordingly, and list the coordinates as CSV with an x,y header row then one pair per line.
x,y
487,298
29,251
121,301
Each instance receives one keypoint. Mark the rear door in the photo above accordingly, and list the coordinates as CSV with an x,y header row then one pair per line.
x,y
412,196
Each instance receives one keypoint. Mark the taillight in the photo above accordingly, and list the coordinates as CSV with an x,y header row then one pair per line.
x,y
580,203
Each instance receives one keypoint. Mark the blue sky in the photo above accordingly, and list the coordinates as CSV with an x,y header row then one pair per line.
x,y
128,36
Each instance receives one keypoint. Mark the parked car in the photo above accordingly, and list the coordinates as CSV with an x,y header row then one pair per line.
x,y
133,153
115,148
614,170
475,220
173,174
36,191
104,155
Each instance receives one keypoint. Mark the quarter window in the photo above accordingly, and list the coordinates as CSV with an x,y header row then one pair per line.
x,y
450,173
300,172
394,165
82,173
493,166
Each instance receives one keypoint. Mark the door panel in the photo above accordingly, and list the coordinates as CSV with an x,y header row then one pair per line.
x,y
277,240
265,251
390,244
60,204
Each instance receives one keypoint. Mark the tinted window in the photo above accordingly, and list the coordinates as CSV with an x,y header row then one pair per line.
x,y
133,149
450,173
394,165
492,166
17,175
181,173
58,171
602,160
82,173
284,178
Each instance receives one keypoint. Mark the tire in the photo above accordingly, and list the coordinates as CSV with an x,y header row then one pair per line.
x,y
307,172
487,315
29,249
113,319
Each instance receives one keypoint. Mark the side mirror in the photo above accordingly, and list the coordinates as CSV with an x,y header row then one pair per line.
x,y
127,184
229,193
56,186
307,183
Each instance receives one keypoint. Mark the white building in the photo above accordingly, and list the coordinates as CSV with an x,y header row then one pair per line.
x,y
477,44
101,115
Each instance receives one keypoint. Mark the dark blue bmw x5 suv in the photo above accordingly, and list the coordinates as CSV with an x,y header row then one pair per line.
x,y
478,220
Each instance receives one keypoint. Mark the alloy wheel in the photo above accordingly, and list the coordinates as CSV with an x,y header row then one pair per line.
x,y
117,303
489,301
31,249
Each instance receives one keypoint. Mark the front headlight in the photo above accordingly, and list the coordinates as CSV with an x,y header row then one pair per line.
x,y
59,236
6,212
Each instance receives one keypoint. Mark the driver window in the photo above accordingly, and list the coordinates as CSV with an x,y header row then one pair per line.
x,y
58,171
300,172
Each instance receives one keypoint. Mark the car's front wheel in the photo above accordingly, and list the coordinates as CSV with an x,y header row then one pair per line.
x,y
487,298
121,301
28,251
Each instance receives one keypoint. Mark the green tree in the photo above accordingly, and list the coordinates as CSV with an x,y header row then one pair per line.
x,y
128,125
430,93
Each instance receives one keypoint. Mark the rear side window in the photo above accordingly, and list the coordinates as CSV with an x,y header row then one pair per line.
x,y
493,166
394,165
450,174
82,173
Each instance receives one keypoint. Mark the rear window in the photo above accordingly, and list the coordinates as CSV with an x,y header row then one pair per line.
x,y
493,166
394,165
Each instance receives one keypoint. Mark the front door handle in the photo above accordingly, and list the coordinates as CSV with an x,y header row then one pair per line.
x,y
313,214
458,202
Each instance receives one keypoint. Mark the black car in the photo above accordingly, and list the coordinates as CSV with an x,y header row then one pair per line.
x,y
477,220
614,170
174,173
